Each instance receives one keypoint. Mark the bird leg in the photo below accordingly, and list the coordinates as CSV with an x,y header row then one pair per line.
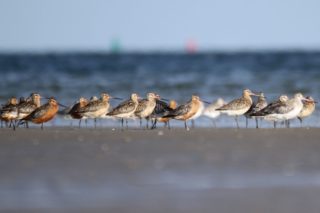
x,y
168,124
193,124
257,123
246,122
121,123
300,119
80,123
13,125
288,123
147,123
186,125
236,118
214,123
41,126
154,124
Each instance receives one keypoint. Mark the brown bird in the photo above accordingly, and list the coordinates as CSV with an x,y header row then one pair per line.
x,y
125,110
161,109
26,107
309,106
172,105
186,111
238,106
146,107
96,108
44,113
256,107
9,112
74,112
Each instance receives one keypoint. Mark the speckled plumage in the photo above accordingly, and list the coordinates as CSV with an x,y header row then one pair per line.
x,y
125,109
44,113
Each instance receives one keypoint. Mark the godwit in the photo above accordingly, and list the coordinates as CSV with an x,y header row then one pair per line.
x,y
309,106
211,112
146,107
161,109
28,106
185,111
96,108
126,109
197,114
294,107
44,113
238,106
271,111
9,112
261,104
74,112
283,110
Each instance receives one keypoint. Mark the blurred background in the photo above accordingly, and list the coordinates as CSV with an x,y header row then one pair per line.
x,y
176,48
69,49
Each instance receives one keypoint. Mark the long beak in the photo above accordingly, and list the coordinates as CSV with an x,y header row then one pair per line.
x,y
164,99
254,94
116,98
309,101
207,102
62,105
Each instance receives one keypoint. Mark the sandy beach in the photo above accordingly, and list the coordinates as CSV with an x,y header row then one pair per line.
x,y
203,170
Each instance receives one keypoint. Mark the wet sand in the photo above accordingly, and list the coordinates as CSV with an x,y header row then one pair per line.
x,y
203,170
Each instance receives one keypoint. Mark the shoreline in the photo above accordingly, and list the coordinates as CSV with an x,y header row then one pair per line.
x,y
101,170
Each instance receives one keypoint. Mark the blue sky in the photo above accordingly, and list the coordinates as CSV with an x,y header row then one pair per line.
x,y
145,25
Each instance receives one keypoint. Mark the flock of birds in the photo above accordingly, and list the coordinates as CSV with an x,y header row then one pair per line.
x,y
156,109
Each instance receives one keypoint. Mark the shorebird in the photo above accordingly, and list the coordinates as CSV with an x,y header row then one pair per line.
x,y
309,106
211,112
283,110
9,112
28,106
74,112
238,106
146,107
95,108
185,111
125,110
294,107
198,113
272,110
159,111
44,113
256,107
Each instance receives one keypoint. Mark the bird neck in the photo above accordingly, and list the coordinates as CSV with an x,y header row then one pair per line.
x,y
247,97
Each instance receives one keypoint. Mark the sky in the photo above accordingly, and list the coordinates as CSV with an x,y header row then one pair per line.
x,y
148,25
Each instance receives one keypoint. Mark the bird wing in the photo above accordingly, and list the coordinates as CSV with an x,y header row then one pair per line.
x,y
39,112
233,105
256,108
180,110
124,107
141,105
160,109
26,107
90,107
274,107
